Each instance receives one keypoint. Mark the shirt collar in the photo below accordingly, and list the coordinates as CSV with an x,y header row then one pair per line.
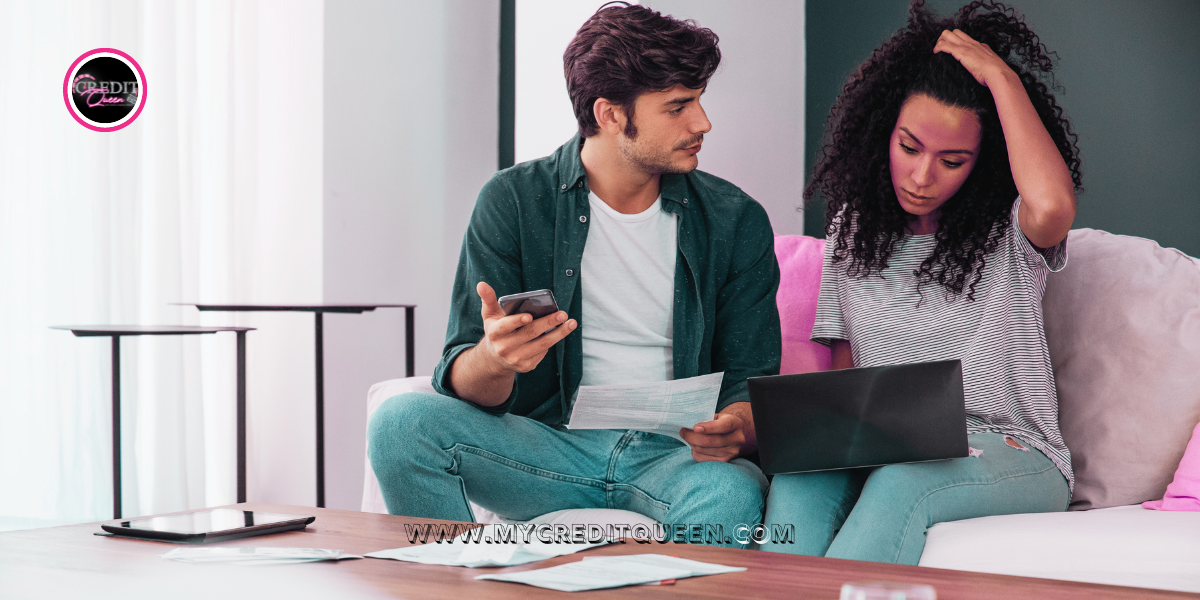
x,y
570,165
672,186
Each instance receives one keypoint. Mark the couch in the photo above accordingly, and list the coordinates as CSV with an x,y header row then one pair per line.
x,y
1123,329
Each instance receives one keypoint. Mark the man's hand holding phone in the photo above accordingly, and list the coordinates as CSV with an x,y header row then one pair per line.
x,y
511,344
516,342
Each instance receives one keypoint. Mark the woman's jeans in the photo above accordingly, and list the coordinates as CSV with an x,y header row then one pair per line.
x,y
431,453
881,514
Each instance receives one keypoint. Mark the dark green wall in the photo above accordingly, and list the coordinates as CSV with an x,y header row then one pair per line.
x,y
1130,73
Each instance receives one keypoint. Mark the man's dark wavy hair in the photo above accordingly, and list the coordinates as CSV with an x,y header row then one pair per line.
x,y
623,51
853,173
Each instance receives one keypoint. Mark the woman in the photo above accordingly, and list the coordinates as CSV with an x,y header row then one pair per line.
x,y
950,175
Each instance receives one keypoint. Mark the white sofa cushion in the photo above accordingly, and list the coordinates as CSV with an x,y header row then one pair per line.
x,y
1124,545
373,497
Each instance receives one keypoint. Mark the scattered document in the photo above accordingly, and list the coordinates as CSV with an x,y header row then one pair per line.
x,y
613,571
662,407
479,548
256,556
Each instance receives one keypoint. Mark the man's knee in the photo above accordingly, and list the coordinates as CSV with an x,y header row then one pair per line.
x,y
402,422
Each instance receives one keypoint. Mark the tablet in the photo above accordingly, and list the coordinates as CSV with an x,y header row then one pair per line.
x,y
218,524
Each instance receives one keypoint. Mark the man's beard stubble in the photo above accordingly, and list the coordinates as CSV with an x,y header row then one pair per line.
x,y
654,160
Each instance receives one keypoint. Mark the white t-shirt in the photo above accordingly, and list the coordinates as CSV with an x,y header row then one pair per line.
x,y
628,279
1000,336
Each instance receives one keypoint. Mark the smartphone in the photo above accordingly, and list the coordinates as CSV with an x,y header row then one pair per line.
x,y
536,304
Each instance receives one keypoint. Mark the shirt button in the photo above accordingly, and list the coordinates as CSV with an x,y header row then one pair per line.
x,y
685,200
570,272
580,184
582,219
564,186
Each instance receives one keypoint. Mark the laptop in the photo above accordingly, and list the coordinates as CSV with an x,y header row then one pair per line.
x,y
859,417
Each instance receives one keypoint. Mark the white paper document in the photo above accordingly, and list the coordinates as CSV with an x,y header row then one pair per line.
x,y
661,407
613,571
480,549
255,556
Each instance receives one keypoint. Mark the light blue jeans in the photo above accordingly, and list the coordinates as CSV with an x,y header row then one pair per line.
x,y
881,514
432,453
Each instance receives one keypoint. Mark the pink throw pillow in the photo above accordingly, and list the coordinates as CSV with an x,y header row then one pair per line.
x,y
1184,491
800,258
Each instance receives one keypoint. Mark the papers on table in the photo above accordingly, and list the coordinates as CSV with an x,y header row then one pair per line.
x,y
255,556
613,571
482,548
661,407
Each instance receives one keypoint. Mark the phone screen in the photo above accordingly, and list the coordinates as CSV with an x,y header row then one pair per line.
x,y
536,304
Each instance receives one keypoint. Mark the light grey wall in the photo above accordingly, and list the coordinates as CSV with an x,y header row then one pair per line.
x,y
410,137
756,99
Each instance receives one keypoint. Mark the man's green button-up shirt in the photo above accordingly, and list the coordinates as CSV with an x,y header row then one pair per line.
x,y
527,232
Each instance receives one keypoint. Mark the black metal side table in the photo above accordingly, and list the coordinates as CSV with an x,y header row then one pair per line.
x,y
319,310
116,332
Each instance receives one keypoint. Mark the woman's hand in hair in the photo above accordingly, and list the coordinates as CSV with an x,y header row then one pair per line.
x,y
978,58
1042,177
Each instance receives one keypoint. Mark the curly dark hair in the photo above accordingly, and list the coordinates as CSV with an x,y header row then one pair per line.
x,y
853,173
624,50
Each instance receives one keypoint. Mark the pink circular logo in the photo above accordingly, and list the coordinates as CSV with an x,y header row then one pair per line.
x,y
105,89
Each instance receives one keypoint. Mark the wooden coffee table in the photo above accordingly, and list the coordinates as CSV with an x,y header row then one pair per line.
x,y
62,560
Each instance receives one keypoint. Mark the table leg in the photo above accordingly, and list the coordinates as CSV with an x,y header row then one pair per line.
x,y
116,425
241,416
409,343
320,413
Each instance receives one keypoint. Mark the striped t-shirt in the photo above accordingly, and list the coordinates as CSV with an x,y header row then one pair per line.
x,y
999,337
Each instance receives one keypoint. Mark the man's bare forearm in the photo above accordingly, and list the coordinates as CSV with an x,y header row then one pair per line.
x,y
477,381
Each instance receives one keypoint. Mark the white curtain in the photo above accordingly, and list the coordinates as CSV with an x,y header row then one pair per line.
x,y
213,194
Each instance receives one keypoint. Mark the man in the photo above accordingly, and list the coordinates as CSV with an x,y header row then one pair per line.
x,y
665,273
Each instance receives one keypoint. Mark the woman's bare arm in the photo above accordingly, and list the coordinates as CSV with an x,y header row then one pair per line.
x,y
842,357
